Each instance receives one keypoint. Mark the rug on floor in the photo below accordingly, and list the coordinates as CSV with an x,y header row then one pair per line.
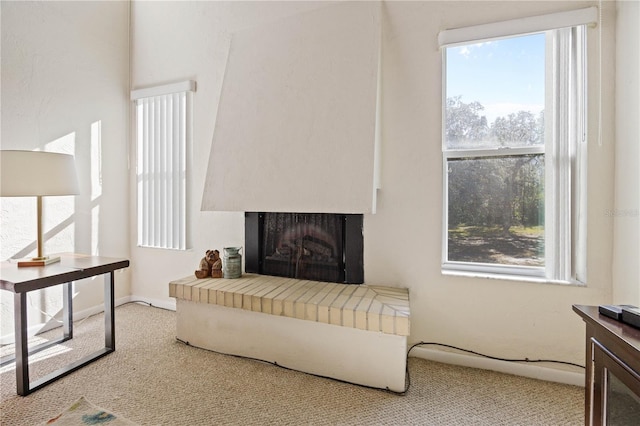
x,y
82,412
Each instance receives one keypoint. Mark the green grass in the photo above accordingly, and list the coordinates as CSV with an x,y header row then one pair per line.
x,y
464,231
530,231
489,244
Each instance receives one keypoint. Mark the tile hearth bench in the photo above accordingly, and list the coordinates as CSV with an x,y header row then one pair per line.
x,y
355,333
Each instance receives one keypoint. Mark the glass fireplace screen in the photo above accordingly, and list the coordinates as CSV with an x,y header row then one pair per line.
x,y
311,246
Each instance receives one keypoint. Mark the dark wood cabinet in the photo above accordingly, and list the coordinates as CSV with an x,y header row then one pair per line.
x,y
612,376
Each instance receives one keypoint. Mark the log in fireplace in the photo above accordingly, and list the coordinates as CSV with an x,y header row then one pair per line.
x,y
312,246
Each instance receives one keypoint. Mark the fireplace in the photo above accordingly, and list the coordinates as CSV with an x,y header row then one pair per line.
x,y
311,246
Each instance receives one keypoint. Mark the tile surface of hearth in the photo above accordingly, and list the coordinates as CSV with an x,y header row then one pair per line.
x,y
365,307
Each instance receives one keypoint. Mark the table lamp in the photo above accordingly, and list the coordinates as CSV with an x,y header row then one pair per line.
x,y
37,174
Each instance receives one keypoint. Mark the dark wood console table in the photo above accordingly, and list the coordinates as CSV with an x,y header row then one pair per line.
x,y
72,267
612,376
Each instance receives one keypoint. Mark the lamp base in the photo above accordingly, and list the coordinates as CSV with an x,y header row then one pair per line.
x,y
38,261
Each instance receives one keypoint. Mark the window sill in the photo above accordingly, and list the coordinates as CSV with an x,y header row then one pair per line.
x,y
511,277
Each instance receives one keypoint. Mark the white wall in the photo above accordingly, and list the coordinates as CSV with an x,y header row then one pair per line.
x,y
65,80
626,214
178,40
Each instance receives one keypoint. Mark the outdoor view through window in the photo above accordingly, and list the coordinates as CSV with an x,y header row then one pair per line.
x,y
494,152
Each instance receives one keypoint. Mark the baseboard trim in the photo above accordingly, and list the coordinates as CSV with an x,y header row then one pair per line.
x,y
33,330
526,370
50,325
169,304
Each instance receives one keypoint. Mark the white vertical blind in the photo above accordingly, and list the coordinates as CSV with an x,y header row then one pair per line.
x,y
162,130
565,181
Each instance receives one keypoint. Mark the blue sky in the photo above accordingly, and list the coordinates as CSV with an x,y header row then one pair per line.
x,y
505,75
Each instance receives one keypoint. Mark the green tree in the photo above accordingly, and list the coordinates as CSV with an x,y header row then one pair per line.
x,y
517,129
494,191
464,122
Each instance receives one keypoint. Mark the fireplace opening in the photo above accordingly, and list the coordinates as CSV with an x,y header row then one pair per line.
x,y
312,246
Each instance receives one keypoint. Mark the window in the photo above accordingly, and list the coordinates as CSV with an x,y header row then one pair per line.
x,y
514,150
163,129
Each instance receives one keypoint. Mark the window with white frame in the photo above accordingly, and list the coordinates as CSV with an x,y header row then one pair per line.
x,y
514,147
162,132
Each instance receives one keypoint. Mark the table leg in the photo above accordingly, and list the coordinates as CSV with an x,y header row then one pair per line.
x,y
109,315
22,348
67,310
588,374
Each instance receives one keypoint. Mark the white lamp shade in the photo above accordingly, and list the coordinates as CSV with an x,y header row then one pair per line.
x,y
36,173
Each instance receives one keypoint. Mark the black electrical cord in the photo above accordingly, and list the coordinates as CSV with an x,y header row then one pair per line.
x,y
494,357
151,305
407,375
518,360
291,369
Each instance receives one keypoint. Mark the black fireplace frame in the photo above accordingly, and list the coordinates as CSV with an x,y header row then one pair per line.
x,y
353,246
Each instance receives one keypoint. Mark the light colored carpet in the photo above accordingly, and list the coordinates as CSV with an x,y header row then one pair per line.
x,y
152,379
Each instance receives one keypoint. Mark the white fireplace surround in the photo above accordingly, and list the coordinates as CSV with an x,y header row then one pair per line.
x,y
354,333
296,127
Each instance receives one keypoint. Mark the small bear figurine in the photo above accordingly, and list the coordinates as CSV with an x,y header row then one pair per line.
x,y
210,265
